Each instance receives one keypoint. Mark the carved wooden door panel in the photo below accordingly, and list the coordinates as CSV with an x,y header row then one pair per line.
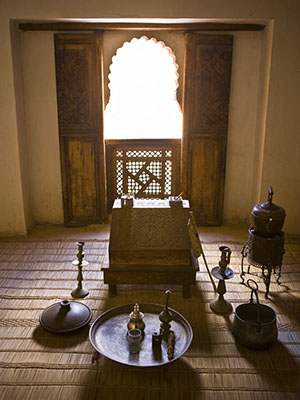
x,y
78,60
205,109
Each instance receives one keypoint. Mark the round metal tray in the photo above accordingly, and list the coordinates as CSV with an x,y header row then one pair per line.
x,y
109,330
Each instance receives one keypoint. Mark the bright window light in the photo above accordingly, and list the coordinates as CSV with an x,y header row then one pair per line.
x,y
143,81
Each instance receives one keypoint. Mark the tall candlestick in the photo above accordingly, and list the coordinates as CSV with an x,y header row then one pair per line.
x,y
80,292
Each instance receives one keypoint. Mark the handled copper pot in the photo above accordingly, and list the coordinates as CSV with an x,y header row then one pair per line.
x,y
254,324
268,218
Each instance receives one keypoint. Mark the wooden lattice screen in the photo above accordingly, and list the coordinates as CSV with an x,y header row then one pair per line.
x,y
150,167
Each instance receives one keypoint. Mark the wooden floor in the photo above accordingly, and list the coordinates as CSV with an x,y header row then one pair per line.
x,y
36,272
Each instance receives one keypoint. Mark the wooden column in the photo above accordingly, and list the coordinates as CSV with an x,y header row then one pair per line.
x,y
205,123
78,59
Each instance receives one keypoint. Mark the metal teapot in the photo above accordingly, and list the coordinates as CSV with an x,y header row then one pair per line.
x,y
268,218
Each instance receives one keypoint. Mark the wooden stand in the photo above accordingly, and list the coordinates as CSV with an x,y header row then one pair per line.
x,y
150,244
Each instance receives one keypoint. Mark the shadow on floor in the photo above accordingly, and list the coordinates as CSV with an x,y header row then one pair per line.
x,y
117,381
61,340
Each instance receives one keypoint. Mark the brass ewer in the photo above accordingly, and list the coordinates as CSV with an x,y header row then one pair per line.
x,y
136,319
80,292
222,273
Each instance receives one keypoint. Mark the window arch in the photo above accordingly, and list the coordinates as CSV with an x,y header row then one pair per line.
x,y
143,83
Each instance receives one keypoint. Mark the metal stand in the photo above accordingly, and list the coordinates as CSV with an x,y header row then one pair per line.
x,y
265,254
220,305
80,292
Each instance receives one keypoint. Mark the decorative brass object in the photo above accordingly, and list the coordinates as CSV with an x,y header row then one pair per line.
x,y
265,246
127,201
171,345
176,201
220,305
80,292
110,340
165,317
136,319
268,218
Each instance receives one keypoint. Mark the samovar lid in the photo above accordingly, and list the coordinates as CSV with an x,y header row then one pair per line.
x,y
269,208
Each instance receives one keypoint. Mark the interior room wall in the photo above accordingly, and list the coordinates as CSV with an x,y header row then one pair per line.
x,y
41,122
280,126
12,209
42,129
21,130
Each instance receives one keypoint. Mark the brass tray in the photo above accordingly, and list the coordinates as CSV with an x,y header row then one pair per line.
x,y
109,330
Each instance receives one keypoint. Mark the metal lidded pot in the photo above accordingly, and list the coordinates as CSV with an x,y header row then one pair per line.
x,y
65,316
268,218
254,324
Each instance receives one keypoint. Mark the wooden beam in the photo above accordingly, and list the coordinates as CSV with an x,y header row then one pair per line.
x,y
194,26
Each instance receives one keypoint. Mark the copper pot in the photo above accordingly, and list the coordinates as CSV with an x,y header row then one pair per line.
x,y
254,324
268,218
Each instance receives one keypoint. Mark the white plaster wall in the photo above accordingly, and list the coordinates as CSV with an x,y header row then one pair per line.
x,y
12,210
242,129
41,124
22,138
281,162
281,125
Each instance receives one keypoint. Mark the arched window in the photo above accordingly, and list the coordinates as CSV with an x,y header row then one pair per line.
x,y
143,82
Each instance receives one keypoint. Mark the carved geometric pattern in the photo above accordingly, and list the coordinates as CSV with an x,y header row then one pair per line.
x,y
74,91
147,172
143,153
119,172
212,86
168,177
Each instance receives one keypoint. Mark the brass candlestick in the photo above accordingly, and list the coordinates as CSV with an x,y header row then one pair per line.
x,y
80,292
220,305
165,317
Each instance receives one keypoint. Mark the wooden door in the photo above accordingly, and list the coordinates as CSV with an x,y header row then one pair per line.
x,y
205,110
78,60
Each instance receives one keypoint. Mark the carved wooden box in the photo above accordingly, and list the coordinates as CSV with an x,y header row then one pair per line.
x,y
150,233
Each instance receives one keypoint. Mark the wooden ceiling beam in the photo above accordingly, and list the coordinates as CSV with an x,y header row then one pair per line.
x,y
188,27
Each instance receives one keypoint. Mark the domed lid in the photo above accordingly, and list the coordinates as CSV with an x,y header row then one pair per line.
x,y
65,316
269,209
136,314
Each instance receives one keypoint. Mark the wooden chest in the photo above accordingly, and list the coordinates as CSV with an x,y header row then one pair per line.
x,y
150,243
